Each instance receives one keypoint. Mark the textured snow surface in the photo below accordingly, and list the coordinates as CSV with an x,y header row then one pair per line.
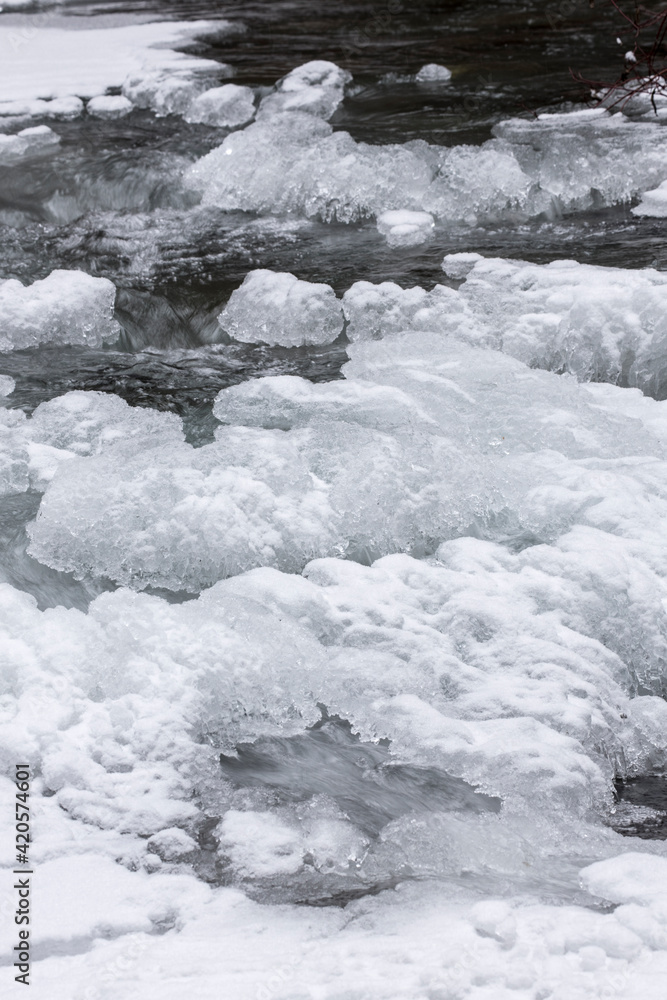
x,y
296,163
67,307
275,308
41,62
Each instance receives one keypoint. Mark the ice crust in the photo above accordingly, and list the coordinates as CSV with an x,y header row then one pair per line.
x,y
67,307
277,308
403,228
296,163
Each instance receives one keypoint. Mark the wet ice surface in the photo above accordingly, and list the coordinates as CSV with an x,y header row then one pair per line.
x,y
418,526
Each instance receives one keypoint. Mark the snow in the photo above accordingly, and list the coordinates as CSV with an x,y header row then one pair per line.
x,y
316,87
433,73
225,106
275,308
403,228
49,61
109,107
67,307
653,203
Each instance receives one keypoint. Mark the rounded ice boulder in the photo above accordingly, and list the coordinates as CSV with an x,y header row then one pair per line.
x,y
279,309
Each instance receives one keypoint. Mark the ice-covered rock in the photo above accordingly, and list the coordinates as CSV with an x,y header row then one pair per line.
x,y
226,106
67,307
373,311
433,73
64,107
109,106
27,143
275,308
316,87
401,228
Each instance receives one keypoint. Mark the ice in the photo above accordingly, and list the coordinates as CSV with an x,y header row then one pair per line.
x,y
433,73
275,308
27,143
225,106
109,107
599,323
316,87
405,228
7,385
653,203
295,163
67,307
51,61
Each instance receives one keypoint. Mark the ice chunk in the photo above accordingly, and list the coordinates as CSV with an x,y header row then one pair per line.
x,y
26,143
106,106
64,107
294,162
653,203
67,307
7,385
433,73
226,106
170,92
275,308
401,228
316,87
374,311
629,878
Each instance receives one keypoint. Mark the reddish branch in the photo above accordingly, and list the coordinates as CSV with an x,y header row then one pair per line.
x,y
645,70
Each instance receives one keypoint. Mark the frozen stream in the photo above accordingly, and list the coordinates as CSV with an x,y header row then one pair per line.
x,y
333,502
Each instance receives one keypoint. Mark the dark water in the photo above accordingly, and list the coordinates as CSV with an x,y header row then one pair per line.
x,y
641,807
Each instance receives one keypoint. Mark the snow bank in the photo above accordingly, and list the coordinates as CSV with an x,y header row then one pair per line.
x,y
275,308
52,62
67,307
296,163
316,87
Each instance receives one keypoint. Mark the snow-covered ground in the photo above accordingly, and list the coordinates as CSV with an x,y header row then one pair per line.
x,y
330,704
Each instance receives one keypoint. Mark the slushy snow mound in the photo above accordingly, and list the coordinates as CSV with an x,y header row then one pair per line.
x,y
296,163
110,107
316,87
275,308
226,106
67,307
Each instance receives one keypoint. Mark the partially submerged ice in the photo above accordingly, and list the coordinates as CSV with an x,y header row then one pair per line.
x,y
316,87
27,143
295,162
277,308
67,307
402,228
226,106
